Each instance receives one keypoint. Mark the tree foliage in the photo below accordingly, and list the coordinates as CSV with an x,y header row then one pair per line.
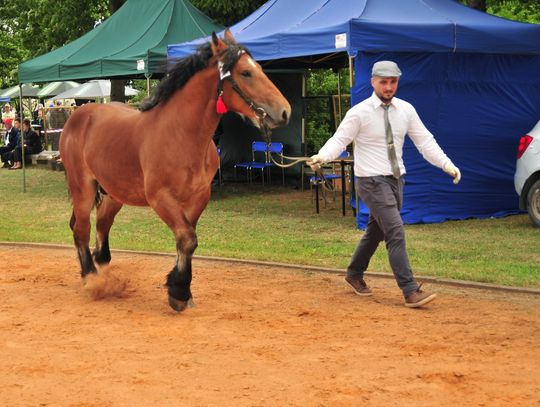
x,y
34,27
527,11
227,12
320,110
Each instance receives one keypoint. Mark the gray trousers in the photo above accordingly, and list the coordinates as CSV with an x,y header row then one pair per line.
x,y
383,195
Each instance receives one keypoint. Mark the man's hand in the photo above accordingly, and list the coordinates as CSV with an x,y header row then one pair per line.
x,y
315,162
453,171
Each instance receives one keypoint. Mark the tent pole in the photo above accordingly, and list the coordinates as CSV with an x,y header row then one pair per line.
x,y
351,72
303,128
356,212
148,83
339,95
22,136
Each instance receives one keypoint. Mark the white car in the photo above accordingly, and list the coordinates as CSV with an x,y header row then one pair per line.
x,y
527,177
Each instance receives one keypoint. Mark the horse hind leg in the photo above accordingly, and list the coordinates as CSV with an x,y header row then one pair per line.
x,y
107,209
83,196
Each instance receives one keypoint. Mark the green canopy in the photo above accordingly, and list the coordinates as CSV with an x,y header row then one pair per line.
x,y
132,42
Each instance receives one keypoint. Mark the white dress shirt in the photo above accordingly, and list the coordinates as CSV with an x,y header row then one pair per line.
x,y
364,124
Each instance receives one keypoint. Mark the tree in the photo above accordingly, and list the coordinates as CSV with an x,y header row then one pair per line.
x,y
527,11
34,27
226,12
477,4
118,93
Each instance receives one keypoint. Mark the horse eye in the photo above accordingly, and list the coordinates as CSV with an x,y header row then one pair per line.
x,y
246,74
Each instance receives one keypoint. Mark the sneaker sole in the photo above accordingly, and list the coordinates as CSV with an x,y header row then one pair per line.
x,y
359,293
420,303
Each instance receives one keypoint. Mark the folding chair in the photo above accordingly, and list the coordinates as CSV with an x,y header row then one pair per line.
x,y
331,175
257,147
273,148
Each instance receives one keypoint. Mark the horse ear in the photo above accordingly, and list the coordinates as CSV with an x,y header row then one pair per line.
x,y
215,39
217,44
229,37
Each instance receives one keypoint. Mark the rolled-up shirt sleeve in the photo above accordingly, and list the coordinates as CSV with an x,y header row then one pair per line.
x,y
343,136
425,142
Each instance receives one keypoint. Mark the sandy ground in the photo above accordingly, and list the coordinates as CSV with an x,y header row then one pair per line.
x,y
258,336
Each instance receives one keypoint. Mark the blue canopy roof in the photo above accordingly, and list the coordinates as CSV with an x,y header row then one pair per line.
x,y
285,29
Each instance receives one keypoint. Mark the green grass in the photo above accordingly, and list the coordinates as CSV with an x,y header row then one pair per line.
x,y
279,224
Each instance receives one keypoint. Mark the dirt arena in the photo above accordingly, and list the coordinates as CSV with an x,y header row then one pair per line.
x,y
258,336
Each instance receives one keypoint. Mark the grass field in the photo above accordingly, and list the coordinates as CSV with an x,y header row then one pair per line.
x,y
280,224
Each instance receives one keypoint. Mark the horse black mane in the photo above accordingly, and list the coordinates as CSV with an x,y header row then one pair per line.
x,y
183,70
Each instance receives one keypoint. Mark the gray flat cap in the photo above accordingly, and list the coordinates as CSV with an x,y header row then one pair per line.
x,y
385,69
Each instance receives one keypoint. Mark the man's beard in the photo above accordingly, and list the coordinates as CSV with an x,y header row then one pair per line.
x,y
386,100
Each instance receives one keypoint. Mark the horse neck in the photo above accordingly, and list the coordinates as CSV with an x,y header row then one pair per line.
x,y
196,101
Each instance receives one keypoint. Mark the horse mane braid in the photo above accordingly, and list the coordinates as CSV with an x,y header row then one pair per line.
x,y
183,70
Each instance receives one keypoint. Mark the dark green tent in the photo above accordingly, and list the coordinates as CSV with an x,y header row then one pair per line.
x,y
131,43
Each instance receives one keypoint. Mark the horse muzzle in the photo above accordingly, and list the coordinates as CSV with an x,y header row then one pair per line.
x,y
277,117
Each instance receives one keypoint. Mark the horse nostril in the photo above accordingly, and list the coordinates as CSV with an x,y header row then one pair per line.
x,y
285,116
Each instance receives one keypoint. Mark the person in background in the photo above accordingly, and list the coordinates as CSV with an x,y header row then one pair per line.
x,y
378,126
8,114
38,123
32,145
11,139
57,116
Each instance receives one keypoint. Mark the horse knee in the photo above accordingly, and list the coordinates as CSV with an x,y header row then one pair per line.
x,y
187,244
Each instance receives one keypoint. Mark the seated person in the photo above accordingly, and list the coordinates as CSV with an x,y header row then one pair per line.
x,y
11,139
32,145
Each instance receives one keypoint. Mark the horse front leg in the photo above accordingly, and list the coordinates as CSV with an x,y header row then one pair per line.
x,y
179,278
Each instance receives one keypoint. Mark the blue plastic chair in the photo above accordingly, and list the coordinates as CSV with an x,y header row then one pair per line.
x,y
259,149
277,150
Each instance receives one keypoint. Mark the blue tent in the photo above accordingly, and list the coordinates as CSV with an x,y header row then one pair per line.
x,y
284,29
472,77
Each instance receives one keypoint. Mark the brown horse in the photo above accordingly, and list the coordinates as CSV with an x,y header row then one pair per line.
x,y
162,156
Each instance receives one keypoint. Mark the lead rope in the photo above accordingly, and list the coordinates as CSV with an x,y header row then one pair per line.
x,y
320,178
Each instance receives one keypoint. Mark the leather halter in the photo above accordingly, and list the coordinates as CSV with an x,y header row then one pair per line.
x,y
226,75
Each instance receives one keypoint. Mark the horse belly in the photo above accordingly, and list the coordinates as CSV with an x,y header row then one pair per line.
x,y
129,191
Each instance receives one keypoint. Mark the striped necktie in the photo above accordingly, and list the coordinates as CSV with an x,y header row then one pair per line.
x,y
390,144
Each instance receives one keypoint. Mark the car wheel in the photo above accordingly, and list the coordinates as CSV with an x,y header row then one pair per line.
x,y
533,203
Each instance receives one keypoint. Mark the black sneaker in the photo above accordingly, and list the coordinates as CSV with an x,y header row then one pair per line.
x,y
359,286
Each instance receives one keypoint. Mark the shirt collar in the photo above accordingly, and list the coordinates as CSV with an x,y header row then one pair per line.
x,y
376,102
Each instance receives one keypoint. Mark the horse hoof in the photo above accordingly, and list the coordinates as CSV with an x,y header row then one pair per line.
x,y
179,305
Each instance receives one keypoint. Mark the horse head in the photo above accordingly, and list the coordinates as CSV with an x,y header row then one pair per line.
x,y
244,87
